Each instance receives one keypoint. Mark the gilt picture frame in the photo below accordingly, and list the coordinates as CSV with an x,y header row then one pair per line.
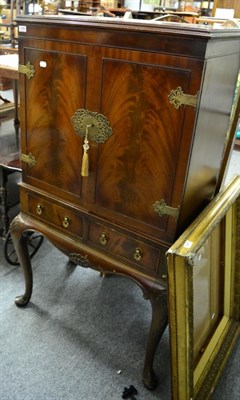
x,y
204,296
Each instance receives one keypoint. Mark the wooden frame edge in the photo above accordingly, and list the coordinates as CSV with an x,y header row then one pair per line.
x,y
180,288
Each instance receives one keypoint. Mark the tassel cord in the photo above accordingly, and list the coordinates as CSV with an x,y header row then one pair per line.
x,y
85,160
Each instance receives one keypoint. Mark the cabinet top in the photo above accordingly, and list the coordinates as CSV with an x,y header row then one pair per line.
x,y
130,25
182,39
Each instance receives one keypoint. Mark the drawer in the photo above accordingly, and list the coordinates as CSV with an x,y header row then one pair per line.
x,y
55,214
131,250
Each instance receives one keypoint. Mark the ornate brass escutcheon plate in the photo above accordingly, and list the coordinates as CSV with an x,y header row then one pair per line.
x,y
98,126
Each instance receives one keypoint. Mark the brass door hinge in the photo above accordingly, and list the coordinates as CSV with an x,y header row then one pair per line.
x,y
177,98
27,69
162,209
29,159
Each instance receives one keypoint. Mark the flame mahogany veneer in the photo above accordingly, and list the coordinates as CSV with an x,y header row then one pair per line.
x,y
156,153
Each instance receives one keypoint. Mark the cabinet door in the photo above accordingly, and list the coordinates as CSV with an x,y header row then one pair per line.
x,y
145,159
51,97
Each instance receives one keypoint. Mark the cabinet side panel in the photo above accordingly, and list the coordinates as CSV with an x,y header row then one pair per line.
x,y
219,84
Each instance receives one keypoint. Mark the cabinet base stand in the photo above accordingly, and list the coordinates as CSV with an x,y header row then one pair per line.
x,y
152,289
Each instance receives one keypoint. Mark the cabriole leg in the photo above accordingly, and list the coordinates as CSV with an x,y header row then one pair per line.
x,y
158,325
20,240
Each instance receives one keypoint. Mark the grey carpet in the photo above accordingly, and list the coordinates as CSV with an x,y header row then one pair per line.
x,y
77,333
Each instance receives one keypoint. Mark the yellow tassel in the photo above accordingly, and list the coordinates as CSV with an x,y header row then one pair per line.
x,y
85,164
85,161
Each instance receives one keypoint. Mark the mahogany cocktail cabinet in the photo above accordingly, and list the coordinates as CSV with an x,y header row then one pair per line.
x,y
124,139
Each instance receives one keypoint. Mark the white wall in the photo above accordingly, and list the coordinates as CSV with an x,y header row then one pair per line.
x,y
135,5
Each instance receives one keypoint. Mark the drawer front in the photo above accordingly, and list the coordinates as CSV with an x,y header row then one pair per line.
x,y
133,251
56,215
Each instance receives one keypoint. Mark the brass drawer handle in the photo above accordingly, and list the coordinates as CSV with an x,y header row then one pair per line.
x,y
138,254
103,238
39,209
66,222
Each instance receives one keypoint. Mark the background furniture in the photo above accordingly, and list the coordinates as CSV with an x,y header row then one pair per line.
x,y
8,15
9,163
8,42
204,289
10,176
234,4
9,69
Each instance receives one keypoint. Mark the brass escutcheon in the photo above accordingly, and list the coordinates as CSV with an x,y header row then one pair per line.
x,y
39,209
99,129
66,222
138,254
103,238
